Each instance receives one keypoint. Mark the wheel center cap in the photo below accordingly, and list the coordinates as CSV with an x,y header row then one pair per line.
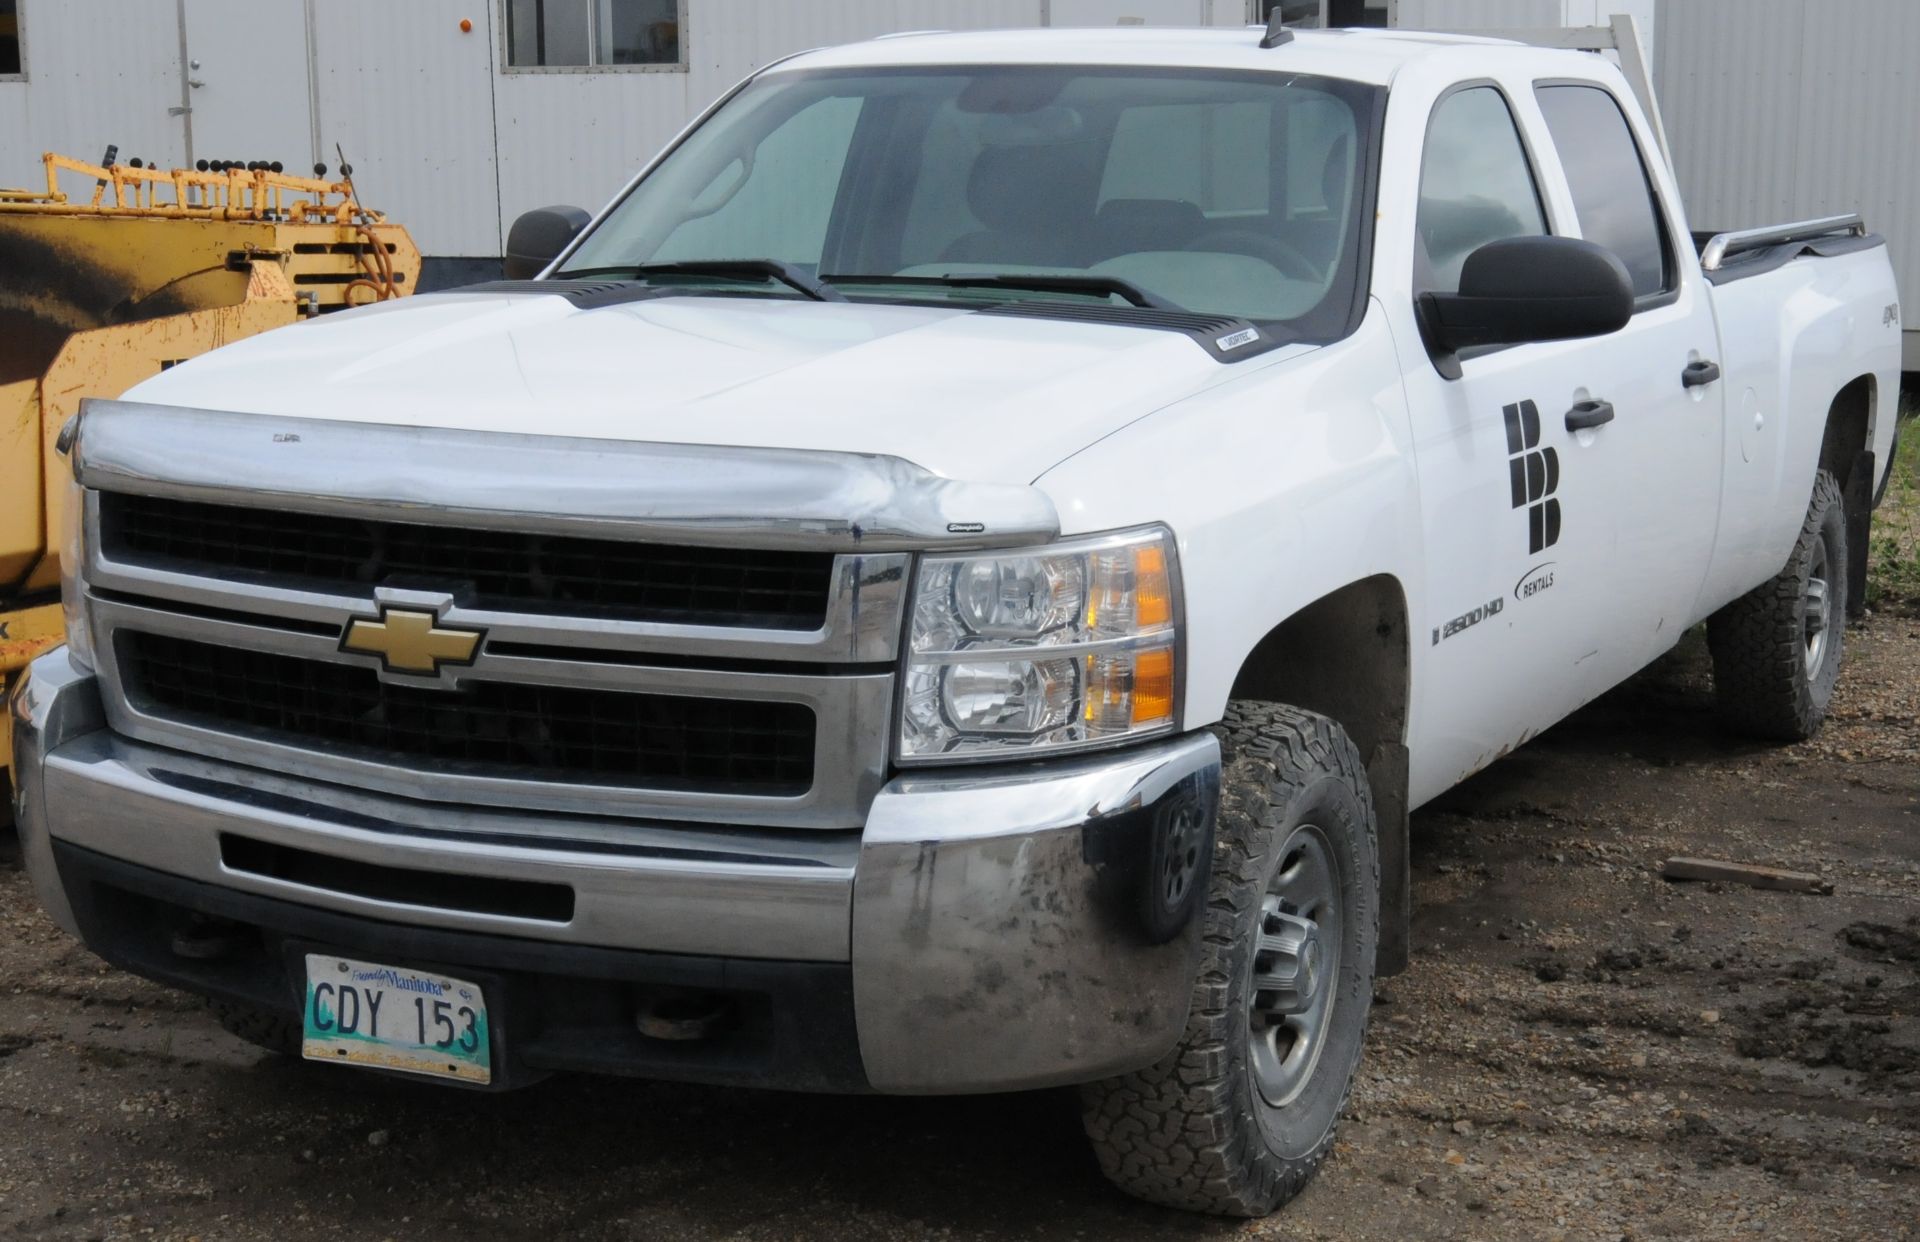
x,y
1286,966
1310,966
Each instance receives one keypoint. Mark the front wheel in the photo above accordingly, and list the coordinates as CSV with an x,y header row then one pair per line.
x,y
1776,649
1237,1118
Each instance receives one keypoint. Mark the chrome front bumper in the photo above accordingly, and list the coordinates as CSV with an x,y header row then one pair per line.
x,y
999,926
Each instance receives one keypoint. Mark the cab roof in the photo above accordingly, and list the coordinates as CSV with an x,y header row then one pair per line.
x,y
1370,56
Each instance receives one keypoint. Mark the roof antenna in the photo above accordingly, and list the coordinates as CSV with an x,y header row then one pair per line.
x,y
1277,32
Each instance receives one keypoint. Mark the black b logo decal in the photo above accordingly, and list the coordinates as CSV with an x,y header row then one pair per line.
x,y
1534,473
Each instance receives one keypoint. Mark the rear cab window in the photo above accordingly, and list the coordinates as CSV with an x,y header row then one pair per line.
x,y
1613,195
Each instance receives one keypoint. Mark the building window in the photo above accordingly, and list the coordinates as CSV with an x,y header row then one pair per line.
x,y
10,62
594,34
1323,14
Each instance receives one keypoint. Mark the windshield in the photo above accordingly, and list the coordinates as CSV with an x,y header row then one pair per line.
x,y
1232,194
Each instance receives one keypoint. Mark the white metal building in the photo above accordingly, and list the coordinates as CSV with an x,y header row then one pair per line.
x,y
460,114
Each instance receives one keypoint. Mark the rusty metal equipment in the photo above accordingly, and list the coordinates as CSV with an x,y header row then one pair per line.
x,y
142,269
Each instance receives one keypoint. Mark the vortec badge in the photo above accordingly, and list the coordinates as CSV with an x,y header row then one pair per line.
x,y
410,642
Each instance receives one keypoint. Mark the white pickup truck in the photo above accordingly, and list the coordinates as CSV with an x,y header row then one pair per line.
x,y
952,582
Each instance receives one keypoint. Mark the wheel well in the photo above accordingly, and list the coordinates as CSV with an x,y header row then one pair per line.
x,y
1846,434
1347,656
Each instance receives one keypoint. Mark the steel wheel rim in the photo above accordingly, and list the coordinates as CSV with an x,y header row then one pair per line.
x,y
1817,613
1181,865
1287,1026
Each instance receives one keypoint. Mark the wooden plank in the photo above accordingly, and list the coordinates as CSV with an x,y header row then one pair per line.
x,y
1744,873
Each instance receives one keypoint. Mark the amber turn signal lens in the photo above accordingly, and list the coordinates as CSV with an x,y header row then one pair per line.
x,y
1152,687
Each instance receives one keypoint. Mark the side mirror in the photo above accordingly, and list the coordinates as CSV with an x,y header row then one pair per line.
x,y
1523,289
537,238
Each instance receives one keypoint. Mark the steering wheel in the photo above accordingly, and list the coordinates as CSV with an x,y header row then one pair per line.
x,y
1289,261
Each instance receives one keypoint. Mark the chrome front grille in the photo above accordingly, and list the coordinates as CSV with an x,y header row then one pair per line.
x,y
224,637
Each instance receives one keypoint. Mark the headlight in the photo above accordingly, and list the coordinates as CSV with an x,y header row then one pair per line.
x,y
1062,647
73,551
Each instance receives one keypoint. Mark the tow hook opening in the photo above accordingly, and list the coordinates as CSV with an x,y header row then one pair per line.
x,y
206,938
683,1015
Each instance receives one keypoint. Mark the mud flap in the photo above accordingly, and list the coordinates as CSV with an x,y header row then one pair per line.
x,y
1857,498
1387,773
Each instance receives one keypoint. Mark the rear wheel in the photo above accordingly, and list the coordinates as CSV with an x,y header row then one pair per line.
x,y
1776,650
1237,1118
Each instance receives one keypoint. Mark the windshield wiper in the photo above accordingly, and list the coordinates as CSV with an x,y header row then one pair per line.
x,y
726,269
1037,282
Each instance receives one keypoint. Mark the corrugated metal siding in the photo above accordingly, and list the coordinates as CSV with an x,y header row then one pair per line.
x,y
1783,109
99,72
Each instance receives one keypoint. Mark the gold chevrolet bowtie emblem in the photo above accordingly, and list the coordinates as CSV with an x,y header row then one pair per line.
x,y
410,642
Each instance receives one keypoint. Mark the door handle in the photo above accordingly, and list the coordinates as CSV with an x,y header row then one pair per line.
x,y
1588,414
1699,373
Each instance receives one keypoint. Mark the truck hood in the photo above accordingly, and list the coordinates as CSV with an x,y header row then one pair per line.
x,y
992,398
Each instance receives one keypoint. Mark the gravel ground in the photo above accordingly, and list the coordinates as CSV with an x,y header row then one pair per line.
x,y
1580,1050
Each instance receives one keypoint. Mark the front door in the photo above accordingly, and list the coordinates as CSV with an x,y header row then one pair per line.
x,y
1520,524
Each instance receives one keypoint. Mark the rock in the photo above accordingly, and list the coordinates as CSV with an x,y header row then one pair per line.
x,y
1463,1127
1551,972
1709,1016
378,1138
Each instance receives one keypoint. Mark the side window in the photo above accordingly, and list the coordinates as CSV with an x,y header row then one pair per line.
x,y
1612,194
1475,186
774,203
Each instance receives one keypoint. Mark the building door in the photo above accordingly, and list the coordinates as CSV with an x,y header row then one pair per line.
x,y
247,83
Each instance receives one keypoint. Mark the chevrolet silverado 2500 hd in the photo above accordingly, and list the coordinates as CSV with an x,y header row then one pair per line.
x,y
952,582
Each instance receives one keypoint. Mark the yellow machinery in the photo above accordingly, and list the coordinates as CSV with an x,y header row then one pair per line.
x,y
145,269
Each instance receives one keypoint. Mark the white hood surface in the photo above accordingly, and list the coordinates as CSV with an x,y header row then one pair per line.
x,y
989,398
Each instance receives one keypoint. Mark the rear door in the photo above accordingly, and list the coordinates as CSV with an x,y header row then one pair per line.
x,y
1659,473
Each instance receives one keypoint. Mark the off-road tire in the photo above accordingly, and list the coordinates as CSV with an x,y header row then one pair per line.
x,y
263,1028
1762,685
1193,1131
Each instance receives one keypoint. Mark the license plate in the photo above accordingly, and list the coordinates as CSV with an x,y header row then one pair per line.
x,y
391,1017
